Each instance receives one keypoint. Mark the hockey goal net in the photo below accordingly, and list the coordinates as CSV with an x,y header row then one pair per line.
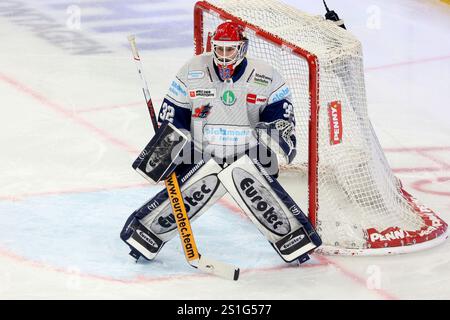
x,y
356,203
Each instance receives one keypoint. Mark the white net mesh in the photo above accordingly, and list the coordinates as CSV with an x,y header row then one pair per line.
x,y
357,192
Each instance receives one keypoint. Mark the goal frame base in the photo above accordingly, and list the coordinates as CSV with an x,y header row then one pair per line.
x,y
329,250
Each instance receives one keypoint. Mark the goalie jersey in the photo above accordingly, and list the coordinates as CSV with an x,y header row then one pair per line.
x,y
221,116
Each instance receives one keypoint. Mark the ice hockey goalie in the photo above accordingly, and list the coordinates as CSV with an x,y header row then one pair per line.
x,y
233,109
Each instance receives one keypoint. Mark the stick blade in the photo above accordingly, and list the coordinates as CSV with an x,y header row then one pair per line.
x,y
218,268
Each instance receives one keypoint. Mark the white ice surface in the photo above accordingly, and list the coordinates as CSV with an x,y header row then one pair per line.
x,y
72,124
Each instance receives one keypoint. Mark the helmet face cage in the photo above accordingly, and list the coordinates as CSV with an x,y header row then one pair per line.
x,y
228,53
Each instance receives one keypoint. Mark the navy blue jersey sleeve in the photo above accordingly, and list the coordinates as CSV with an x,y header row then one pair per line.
x,y
178,115
279,110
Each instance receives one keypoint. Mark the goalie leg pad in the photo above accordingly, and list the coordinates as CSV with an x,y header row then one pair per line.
x,y
270,208
153,224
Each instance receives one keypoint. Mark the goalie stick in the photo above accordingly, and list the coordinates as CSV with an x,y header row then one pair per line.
x,y
193,257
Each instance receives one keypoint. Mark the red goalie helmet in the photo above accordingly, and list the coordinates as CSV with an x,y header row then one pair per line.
x,y
229,47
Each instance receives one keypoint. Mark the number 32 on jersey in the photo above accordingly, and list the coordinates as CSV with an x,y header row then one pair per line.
x,y
167,112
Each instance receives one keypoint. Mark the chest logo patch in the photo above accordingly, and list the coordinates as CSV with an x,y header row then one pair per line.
x,y
202,93
262,79
202,112
196,74
228,98
256,99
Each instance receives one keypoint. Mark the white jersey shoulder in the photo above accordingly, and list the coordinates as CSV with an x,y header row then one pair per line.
x,y
263,73
193,73
196,68
267,76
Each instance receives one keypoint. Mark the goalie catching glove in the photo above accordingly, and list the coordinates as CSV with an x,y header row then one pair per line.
x,y
282,132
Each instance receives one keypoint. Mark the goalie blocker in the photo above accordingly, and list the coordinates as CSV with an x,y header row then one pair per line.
x,y
270,208
162,154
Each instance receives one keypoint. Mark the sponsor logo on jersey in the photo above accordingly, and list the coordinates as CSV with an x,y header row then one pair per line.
x,y
228,98
144,236
202,112
261,202
227,135
177,89
202,93
280,94
195,198
256,99
262,79
196,74
335,117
